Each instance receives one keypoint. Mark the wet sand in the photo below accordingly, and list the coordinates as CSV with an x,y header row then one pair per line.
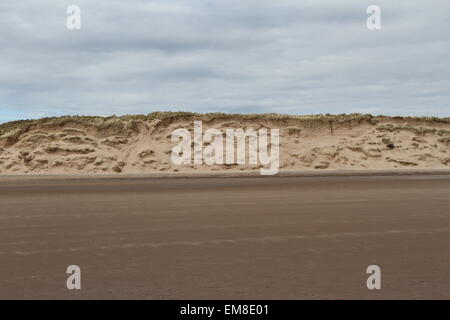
x,y
226,238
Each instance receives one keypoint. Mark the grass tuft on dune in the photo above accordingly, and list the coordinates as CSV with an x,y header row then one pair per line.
x,y
14,129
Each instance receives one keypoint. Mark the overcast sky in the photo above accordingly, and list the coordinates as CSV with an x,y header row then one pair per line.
x,y
284,56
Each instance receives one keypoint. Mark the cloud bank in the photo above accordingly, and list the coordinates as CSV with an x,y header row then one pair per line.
x,y
286,56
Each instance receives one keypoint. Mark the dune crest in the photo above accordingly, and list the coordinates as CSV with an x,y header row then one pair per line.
x,y
142,143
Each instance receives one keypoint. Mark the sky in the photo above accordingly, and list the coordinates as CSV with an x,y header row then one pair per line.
x,y
247,56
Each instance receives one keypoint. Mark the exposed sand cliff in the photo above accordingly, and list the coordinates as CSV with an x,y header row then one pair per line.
x,y
142,143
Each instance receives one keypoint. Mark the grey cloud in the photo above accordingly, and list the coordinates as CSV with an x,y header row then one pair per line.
x,y
286,56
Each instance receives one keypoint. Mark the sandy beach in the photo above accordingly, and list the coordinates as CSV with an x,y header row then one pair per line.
x,y
103,194
225,238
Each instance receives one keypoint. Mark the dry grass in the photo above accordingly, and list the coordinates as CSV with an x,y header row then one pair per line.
x,y
417,130
13,130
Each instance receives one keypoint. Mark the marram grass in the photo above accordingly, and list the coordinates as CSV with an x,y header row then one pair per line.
x,y
14,129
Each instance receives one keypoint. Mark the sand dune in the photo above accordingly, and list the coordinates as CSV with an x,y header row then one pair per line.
x,y
142,143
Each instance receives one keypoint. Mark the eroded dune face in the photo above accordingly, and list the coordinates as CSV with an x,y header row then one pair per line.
x,y
142,144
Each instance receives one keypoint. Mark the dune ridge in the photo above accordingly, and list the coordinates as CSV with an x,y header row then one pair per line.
x,y
142,143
